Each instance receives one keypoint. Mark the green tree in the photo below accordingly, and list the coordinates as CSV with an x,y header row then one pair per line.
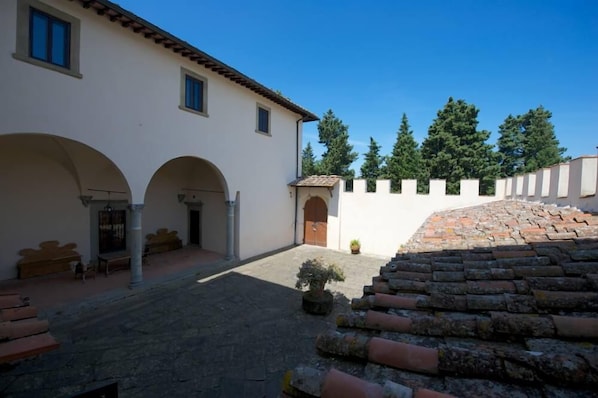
x,y
455,149
405,160
309,164
339,155
371,167
510,146
540,145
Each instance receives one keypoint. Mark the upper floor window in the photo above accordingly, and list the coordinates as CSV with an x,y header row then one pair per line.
x,y
263,119
47,37
194,90
193,93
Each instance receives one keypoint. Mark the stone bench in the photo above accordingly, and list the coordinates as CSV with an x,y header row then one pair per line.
x,y
50,258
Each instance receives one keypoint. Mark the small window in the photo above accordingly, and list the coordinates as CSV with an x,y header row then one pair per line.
x,y
193,92
47,37
263,119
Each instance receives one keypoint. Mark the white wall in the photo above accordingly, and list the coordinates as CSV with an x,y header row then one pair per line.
x,y
567,184
126,107
382,220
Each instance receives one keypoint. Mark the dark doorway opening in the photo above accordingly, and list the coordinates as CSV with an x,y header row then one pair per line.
x,y
112,226
195,227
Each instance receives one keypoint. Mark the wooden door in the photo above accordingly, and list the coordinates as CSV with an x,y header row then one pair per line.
x,y
315,222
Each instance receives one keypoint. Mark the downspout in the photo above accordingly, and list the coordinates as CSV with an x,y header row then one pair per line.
x,y
297,175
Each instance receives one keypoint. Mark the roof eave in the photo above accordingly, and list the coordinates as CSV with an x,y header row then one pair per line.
x,y
139,25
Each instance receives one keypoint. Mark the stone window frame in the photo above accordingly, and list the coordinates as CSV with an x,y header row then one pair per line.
x,y
22,52
257,119
182,105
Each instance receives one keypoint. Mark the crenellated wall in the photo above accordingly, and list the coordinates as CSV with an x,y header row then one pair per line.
x,y
382,220
567,184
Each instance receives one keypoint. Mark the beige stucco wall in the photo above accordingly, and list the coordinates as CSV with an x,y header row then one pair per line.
x,y
126,107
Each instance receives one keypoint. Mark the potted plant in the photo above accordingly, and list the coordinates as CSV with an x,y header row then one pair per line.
x,y
314,274
355,246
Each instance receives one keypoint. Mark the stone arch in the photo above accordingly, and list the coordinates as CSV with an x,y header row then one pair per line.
x,y
49,185
188,194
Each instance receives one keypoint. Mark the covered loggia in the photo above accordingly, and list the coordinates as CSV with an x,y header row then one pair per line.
x,y
189,195
57,189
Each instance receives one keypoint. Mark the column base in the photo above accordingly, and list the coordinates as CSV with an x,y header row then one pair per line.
x,y
135,284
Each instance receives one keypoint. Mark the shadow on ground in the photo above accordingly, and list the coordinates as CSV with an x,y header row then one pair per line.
x,y
234,335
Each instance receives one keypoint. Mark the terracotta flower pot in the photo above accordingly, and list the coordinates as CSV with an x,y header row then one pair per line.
x,y
317,302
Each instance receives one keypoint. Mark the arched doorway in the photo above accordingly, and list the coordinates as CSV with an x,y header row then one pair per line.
x,y
315,222
188,195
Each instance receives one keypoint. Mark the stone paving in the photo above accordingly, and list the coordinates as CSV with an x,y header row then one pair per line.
x,y
232,334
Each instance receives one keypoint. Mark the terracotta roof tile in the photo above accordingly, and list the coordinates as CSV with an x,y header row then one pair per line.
x,y
316,181
22,335
495,313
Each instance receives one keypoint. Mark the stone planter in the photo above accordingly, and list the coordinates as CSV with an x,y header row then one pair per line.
x,y
355,250
319,303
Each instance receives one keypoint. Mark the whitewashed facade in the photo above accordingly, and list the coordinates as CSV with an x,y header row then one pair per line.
x,y
113,127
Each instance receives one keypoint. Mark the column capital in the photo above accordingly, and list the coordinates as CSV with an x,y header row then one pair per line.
x,y
230,203
136,207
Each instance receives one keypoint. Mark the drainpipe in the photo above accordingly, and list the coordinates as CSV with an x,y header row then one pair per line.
x,y
297,175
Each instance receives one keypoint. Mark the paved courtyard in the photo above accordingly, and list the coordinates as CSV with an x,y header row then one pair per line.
x,y
232,334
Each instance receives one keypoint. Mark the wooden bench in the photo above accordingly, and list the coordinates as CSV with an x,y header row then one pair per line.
x,y
50,258
162,241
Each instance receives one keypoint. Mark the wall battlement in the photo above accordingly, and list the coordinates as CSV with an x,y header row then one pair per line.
x,y
567,184
469,188
383,220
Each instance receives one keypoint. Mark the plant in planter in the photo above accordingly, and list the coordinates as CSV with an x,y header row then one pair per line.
x,y
355,246
315,273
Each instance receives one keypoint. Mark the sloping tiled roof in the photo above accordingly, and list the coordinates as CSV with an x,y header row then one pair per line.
x,y
499,300
22,335
316,181
140,26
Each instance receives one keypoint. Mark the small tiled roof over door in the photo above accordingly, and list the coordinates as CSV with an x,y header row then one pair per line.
x,y
498,300
316,181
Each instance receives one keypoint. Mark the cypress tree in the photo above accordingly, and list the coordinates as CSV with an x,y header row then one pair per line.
x,y
370,169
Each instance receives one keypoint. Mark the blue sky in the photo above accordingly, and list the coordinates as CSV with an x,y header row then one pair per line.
x,y
372,61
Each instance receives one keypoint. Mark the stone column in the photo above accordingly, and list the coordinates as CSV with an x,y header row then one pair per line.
x,y
230,229
136,245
